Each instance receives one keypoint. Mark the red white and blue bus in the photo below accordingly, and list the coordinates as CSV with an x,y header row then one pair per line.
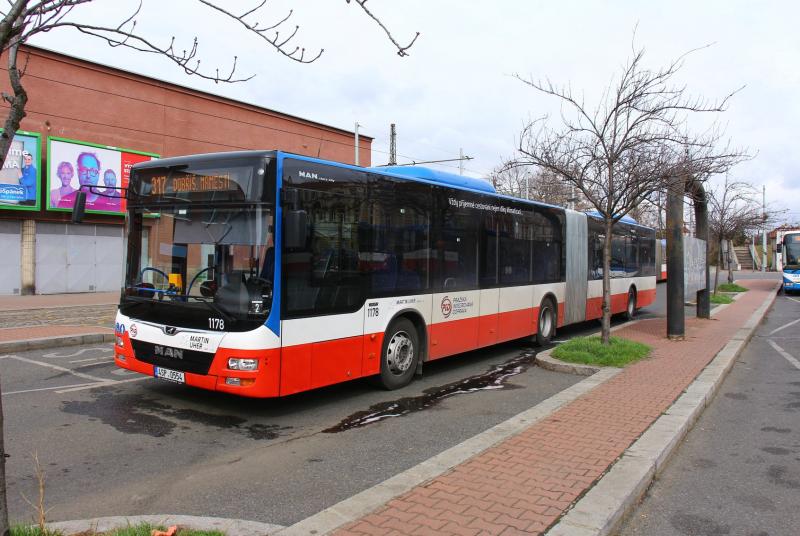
x,y
264,274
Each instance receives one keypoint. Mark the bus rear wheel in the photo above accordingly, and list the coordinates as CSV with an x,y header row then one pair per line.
x,y
546,328
630,308
400,354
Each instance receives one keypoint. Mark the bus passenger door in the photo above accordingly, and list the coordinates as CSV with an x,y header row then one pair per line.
x,y
324,302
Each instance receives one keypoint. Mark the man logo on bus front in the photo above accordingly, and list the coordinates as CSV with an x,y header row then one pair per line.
x,y
447,307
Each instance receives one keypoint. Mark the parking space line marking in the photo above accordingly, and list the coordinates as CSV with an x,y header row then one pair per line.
x,y
776,330
785,354
793,299
103,384
47,389
90,359
60,369
79,352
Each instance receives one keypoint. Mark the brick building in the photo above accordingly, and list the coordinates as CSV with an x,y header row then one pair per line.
x,y
110,111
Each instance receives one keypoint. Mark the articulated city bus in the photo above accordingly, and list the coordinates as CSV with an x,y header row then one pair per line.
x,y
264,274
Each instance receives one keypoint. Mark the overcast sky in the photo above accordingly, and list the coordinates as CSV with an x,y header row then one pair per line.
x,y
456,88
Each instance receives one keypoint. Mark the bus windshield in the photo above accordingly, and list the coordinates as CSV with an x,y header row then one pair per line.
x,y
791,243
214,264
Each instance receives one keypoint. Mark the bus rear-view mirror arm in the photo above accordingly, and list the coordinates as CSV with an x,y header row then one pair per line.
x,y
79,206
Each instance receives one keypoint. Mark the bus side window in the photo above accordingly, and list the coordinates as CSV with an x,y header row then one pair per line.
x,y
548,265
397,257
454,247
325,277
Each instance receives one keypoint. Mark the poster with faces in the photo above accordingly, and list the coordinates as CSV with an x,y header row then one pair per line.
x,y
98,171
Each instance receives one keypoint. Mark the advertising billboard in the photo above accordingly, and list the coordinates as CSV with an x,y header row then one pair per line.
x,y
74,165
19,177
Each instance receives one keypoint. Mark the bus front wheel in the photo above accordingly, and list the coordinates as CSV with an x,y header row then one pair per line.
x,y
401,351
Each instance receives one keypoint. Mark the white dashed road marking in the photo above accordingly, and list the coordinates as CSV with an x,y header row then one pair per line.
x,y
785,354
56,367
776,330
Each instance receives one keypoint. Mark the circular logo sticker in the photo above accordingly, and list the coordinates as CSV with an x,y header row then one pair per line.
x,y
447,307
134,331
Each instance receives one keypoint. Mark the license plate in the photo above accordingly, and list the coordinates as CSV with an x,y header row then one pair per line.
x,y
170,375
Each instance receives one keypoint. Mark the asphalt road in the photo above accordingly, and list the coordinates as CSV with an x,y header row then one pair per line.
x,y
117,443
737,472
143,446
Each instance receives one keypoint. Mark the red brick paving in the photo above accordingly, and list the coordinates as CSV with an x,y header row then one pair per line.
x,y
42,301
524,484
38,332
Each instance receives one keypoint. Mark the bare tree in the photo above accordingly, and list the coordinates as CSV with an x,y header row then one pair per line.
x,y
734,210
22,20
618,152
528,182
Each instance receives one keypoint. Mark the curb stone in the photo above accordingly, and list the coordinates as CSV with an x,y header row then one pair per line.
x,y
23,345
545,361
601,511
231,527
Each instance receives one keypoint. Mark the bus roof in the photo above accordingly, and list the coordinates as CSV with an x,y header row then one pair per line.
x,y
433,175
194,158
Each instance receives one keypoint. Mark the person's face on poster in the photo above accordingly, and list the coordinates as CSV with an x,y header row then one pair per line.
x,y
110,178
27,160
88,170
65,174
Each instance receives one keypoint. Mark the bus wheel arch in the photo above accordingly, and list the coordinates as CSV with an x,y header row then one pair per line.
x,y
548,318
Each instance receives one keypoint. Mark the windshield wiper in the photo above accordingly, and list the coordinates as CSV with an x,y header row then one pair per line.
x,y
210,304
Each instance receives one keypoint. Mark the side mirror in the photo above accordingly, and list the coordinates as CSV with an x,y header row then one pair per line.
x,y
295,229
79,207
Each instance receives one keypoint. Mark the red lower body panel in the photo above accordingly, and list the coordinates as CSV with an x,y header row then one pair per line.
x,y
454,337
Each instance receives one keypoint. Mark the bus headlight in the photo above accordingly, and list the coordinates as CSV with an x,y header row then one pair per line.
x,y
237,363
120,342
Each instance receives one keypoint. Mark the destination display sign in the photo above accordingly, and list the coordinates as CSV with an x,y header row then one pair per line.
x,y
192,182
218,182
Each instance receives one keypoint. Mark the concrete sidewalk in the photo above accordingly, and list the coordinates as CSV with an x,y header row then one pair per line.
x,y
46,321
526,483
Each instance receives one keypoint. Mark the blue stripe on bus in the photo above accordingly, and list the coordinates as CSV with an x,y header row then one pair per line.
x,y
273,322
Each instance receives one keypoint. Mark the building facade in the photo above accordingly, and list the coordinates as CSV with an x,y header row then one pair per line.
x,y
89,120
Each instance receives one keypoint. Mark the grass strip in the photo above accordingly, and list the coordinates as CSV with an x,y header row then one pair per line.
x,y
730,287
721,299
591,351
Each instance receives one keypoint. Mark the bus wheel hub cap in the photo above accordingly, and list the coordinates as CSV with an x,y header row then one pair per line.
x,y
399,353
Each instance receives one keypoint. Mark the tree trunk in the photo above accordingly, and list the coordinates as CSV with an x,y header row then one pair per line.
x,y
730,270
4,528
17,101
15,115
605,329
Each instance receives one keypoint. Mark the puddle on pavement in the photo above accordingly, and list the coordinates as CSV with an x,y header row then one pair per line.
x,y
134,414
495,378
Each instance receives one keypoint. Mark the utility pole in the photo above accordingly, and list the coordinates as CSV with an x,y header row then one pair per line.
x,y
392,145
527,184
356,129
460,161
764,237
